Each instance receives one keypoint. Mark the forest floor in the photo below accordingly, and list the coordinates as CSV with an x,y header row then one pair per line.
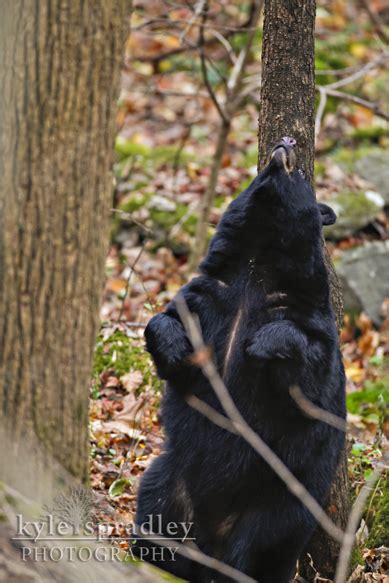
x,y
165,147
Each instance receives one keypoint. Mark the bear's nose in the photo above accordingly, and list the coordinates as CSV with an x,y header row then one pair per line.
x,y
288,141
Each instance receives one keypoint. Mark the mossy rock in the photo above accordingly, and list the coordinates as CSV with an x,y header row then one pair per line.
x,y
364,277
354,210
374,167
348,157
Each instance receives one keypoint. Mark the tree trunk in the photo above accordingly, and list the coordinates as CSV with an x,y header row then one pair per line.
x,y
287,109
288,79
59,86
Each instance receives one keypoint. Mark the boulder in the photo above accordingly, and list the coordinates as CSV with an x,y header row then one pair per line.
x,y
374,167
354,210
364,275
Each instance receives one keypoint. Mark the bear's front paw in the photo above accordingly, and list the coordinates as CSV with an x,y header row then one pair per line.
x,y
277,340
255,352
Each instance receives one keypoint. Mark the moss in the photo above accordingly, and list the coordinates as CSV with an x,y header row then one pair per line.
x,y
369,133
320,168
356,558
167,219
347,157
373,397
355,204
123,354
159,154
379,530
134,202
250,156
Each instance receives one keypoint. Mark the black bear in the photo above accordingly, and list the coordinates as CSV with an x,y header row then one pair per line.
x,y
263,304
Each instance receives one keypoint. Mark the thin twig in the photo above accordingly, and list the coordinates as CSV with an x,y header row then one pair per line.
x,y
226,112
131,218
352,526
360,73
235,80
192,209
193,552
376,21
204,70
331,89
197,11
337,72
241,426
132,270
316,412
223,40
359,101
211,413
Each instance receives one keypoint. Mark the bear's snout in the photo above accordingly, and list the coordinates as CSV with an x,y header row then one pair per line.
x,y
283,153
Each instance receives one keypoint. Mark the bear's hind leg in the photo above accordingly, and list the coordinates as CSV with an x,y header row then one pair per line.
x,y
164,508
265,549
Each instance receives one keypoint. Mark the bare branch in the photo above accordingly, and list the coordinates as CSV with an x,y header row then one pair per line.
x,y
197,11
224,41
204,70
131,218
377,22
331,89
238,70
360,73
132,270
358,101
243,429
337,72
213,28
232,100
211,413
316,412
192,552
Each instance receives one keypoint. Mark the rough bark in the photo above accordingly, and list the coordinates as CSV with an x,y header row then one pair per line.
x,y
287,109
58,88
288,89
323,551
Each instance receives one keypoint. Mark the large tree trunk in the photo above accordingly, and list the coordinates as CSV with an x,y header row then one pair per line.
x,y
59,85
287,109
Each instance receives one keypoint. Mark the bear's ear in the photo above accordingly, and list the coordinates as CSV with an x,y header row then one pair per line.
x,y
328,216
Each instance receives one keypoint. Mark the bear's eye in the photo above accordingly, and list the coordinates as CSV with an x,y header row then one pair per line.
x,y
301,172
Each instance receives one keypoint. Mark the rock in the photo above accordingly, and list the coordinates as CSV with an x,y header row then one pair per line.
x,y
160,203
151,286
364,276
374,167
354,210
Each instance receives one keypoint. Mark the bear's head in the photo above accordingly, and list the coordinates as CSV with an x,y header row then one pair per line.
x,y
275,222
285,189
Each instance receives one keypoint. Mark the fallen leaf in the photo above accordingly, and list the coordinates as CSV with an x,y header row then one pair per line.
x,y
132,380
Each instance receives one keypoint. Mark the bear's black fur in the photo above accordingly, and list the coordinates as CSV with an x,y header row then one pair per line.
x,y
263,303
